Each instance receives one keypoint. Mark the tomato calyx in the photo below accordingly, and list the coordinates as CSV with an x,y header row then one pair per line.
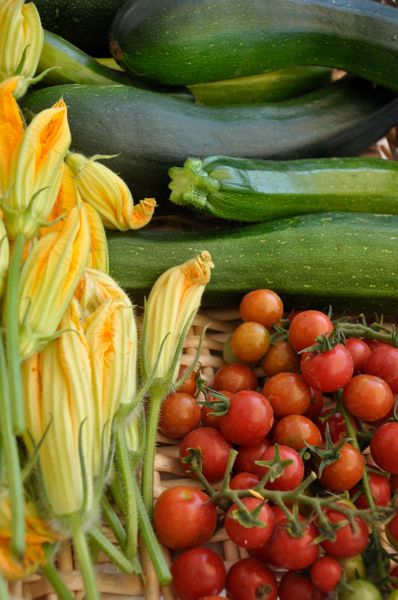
x,y
219,406
275,467
328,452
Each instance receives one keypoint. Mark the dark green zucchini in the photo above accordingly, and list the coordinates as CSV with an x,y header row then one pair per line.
x,y
259,190
347,260
272,86
85,23
151,132
196,41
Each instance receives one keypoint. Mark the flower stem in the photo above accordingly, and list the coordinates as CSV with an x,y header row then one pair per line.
x,y
11,459
111,551
4,595
84,559
12,334
129,499
113,521
53,576
156,396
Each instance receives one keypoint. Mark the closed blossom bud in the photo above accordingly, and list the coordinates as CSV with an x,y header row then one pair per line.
x,y
171,306
108,193
21,40
35,171
49,277
11,130
59,410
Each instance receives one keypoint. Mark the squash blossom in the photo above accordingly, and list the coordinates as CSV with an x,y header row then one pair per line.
x,y
59,403
171,306
37,534
108,193
11,130
21,40
33,167
57,261
4,255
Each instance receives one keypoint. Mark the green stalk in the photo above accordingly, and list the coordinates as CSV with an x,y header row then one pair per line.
x,y
156,397
113,521
11,459
110,550
129,500
84,559
12,334
4,595
53,576
150,541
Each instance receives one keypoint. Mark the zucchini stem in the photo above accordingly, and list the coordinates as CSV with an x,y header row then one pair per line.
x,y
84,559
129,497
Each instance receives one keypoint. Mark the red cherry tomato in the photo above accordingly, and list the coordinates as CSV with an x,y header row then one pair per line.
x,y
380,489
384,447
288,394
247,455
197,572
306,327
316,405
296,586
383,362
244,481
347,543
336,423
214,448
250,537
235,377
189,387
248,578
297,431
262,552
360,352
250,341
345,472
280,358
392,527
327,371
184,517
368,397
248,420
263,306
291,552
180,414
326,573
209,419
292,474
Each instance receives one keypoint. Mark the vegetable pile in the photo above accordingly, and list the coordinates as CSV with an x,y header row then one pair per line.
x,y
244,119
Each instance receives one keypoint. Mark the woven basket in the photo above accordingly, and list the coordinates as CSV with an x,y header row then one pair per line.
x,y
114,585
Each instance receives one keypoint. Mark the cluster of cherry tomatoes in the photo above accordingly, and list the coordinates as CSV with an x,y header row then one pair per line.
x,y
292,400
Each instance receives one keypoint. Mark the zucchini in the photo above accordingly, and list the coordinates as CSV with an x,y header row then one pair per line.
x,y
85,23
257,190
72,65
196,41
347,260
151,132
265,87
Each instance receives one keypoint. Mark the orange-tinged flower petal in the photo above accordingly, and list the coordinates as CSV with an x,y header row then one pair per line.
x,y
98,257
11,129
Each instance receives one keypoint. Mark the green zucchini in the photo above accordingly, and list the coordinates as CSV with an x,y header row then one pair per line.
x,y
85,23
69,64
259,190
196,41
265,87
347,260
151,132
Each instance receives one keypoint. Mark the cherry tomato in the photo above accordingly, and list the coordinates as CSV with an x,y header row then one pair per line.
x,y
291,552
292,474
288,394
244,481
327,371
262,306
316,405
380,489
247,455
326,573
215,450
180,414
212,598
394,482
250,537
394,574
345,472
360,589
250,341
392,530
295,586
248,420
280,358
347,543
360,352
262,553
306,327
234,378
384,447
296,431
368,397
197,572
250,579
336,423
184,517
383,362
208,419
189,387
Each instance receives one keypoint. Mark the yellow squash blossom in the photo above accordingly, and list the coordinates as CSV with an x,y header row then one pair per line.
x,y
108,193
59,403
49,277
21,39
171,305
11,130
